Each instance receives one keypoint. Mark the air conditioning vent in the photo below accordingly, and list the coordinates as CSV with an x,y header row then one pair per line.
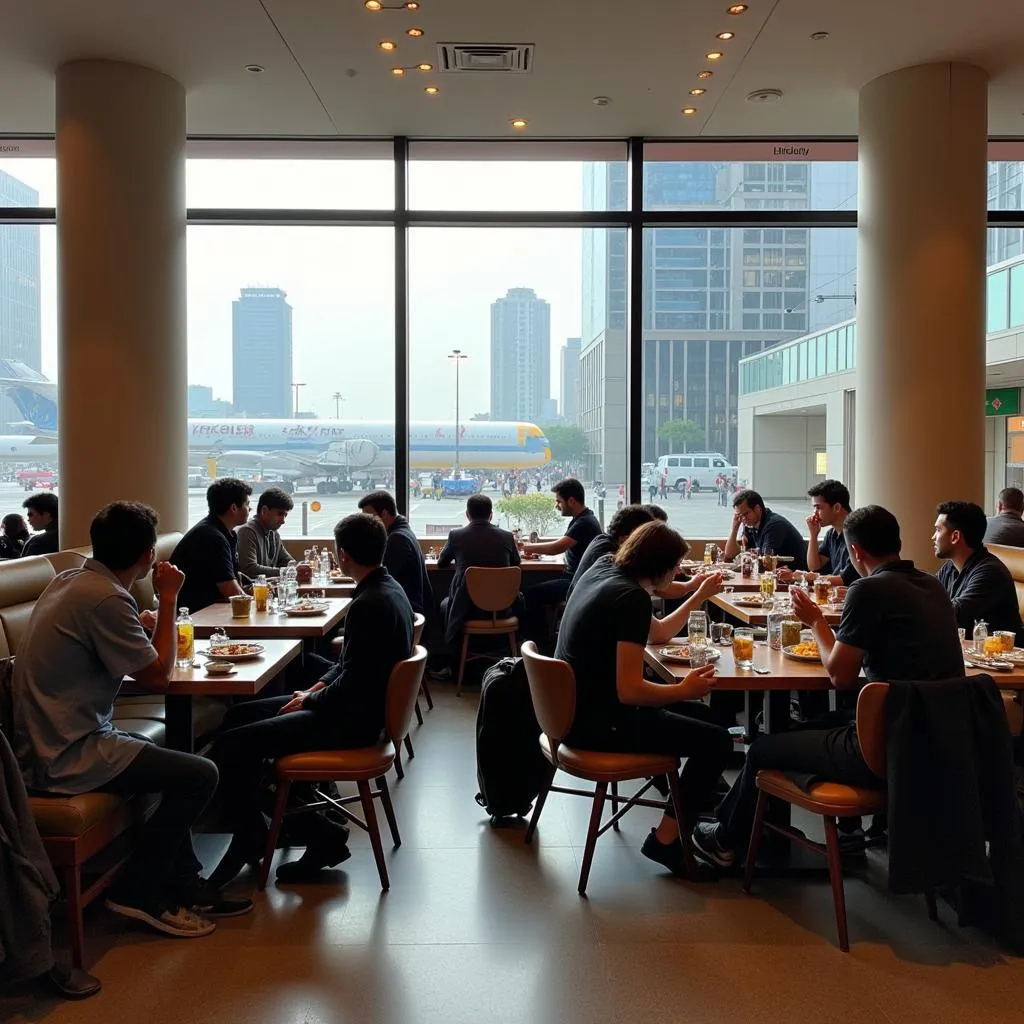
x,y
510,58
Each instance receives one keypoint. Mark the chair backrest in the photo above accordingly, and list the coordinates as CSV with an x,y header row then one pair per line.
x,y
418,622
493,590
403,689
553,692
871,726
61,560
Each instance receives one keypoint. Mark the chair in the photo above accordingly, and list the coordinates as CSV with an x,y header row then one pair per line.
x,y
418,622
831,800
358,765
490,590
553,692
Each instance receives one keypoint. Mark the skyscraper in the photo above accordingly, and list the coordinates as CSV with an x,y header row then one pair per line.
x,y
570,381
261,352
520,356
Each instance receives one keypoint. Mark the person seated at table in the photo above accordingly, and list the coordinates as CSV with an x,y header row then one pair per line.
x,y
764,530
570,499
977,582
208,553
603,634
897,623
342,710
1007,525
403,557
83,638
479,543
829,556
260,551
14,536
622,524
41,510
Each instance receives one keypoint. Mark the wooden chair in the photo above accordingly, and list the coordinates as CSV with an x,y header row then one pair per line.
x,y
831,800
553,691
418,622
358,765
492,591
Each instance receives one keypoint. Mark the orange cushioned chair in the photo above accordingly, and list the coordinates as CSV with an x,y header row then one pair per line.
x,y
418,622
492,591
831,800
358,765
553,691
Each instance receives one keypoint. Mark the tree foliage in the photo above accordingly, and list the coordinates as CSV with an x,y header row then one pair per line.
x,y
682,434
529,512
568,442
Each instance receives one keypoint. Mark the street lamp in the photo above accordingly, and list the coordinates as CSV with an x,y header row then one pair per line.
x,y
297,386
338,399
458,355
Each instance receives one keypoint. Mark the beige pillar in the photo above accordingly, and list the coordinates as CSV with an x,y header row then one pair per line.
x,y
121,252
921,296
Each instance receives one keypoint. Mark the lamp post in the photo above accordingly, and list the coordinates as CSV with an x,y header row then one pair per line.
x,y
458,355
338,399
297,386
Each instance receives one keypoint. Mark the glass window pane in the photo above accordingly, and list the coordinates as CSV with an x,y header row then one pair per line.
x,y
830,352
996,301
28,181
1017,295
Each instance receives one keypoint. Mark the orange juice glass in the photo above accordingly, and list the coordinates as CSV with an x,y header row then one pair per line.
x,y
1006,638
743,647
261,595
992,647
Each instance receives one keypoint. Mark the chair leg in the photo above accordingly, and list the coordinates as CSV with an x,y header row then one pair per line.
x,y
835,874
513,644
419,713
76,925
545,788
685,840
399,770
374,830
933,907
425,690
755,839
462,664
389,809
615,804
408,747
595,823
280,803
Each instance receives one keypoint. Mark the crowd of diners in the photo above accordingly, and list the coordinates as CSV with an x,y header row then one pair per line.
x,y
86,634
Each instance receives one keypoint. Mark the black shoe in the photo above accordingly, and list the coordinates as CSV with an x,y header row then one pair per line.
x,y
705,841
239,854
853,842
71,982
208,901
312,862
670,855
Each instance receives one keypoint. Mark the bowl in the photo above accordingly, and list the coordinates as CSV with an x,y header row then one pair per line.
x,y
219,668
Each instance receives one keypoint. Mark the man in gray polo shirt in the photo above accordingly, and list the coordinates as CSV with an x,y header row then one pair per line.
x,y
83,638
260,551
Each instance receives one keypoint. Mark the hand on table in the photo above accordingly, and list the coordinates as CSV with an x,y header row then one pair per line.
x,y
805,609
700,681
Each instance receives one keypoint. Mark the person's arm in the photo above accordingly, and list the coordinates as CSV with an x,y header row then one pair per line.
x,y
447,555
121,641
550,547
974,600
680,588
816,559
282,558
249,555
842,661
732,546
635,691
666,628
359,642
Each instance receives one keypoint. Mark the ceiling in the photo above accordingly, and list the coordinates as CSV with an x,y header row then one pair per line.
x,y
324,74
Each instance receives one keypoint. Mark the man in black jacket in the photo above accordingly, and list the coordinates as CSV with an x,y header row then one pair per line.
x,y
344,709
403,557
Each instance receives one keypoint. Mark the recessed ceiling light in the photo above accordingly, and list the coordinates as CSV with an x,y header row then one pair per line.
x,y
704,75
414,32
412,5
254,69
398,71
689,111
714,55
431,90
697,92
818,36
424,67
764,96
372,5
518,122
387,44
602,101
737,9
725,35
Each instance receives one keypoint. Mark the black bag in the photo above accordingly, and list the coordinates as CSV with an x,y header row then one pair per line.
x,y
509,764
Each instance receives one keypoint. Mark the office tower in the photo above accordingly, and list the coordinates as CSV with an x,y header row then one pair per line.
x,y
520,356
261,349
202,404
570,381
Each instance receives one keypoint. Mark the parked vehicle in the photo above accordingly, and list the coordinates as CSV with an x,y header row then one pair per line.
x,y
701,467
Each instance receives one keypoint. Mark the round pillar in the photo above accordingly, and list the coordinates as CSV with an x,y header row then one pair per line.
x,y
921,297
121,280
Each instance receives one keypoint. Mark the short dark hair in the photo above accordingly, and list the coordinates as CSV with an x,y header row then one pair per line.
x,y
834,493
626,520
966,517
224,493
14,526
43,502
651,551
874,529
570,488
275,498
1012,498
379,501
657,512
752,498
478,506
122,532
363,537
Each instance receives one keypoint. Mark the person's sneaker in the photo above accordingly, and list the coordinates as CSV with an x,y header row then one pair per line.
x,y
852,842
705,842
311,863
208,901
668,855
180,922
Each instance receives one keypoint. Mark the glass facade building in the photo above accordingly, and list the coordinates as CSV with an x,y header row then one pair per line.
x,y
261,352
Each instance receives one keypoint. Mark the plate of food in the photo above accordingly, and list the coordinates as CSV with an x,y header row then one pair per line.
x,y
1015,656
803,652
337,576
234,651
748,600
681,653
307,607
1000,664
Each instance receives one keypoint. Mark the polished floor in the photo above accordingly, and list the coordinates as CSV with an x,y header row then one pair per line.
x,y
478,927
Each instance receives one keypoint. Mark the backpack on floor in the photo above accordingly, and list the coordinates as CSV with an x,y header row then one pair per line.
x,y
509,764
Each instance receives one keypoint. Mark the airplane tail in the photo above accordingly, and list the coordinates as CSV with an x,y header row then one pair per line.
x,y
34,395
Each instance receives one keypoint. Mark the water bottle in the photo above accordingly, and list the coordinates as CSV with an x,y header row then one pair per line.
x,y
980,635
325,566
186,640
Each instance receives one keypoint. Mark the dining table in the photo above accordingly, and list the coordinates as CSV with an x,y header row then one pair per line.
x,y
334,588
270,625
757,615
537,564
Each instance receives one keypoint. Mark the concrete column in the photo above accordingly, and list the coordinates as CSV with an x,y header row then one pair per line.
x,y
121,252
921,296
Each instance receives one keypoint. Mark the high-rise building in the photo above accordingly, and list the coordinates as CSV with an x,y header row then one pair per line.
x,y
261,352
520,356
202,404
570,381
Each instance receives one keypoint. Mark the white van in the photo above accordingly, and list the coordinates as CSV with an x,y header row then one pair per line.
x,y
701,467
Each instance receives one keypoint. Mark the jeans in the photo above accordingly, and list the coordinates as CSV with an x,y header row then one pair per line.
x,y
537,600
163,867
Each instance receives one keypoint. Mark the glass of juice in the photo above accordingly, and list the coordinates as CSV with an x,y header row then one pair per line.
x,y
261,593
992,647
1006,639
743,647
768,584
821,588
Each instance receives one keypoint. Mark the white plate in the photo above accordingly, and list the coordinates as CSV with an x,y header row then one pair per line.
x,y
253,651
220,675
319,609
747,600
676,654
788,652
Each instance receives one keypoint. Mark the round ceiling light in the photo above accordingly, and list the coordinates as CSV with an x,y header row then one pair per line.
x,y
714,55
818,36
424,67
689,111
412,6
764,96
373,5
388,45
704,75
697,92
431,90
736,9
414,32
725,35
398,71
254,69
602,101
519,122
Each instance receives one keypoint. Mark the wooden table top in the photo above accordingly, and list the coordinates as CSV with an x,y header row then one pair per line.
x,y
250,676
329,589
542,563
267,625
759,616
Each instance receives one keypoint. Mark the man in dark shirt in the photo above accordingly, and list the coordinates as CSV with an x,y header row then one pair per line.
x,y
403,557
344,709
1007,525
42,516
583,527
765,530
480,543
979,584
897,623
207,554
831,557
622,524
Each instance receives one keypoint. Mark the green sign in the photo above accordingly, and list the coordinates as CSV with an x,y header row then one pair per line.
x,y
1002,402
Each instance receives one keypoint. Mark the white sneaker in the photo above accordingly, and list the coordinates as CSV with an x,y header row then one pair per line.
x,y
178,921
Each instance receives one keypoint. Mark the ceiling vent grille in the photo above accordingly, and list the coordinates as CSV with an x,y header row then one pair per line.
x,y
508,58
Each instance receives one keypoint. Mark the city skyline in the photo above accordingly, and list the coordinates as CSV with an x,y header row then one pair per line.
x,y
520,366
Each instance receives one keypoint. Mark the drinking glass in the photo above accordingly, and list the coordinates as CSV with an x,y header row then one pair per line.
x,y
699,656
716,632
821,590
697,628
768,584
726,632
775,630
743,647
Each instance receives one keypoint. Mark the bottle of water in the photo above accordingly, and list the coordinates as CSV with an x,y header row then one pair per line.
x,y
289,585
186,640
325,566
980,636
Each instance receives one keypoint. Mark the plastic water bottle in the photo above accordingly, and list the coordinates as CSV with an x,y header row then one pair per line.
x,y
979,636
325,566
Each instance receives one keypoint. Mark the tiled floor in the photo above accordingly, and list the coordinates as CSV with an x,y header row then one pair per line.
x,y
478,927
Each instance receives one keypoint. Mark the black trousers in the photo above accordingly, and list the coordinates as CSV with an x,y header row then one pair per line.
x,y
163,867
538,600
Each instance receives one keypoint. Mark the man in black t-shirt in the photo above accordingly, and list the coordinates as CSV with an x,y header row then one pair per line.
x,y
403,557
622,524
897,623
829,555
